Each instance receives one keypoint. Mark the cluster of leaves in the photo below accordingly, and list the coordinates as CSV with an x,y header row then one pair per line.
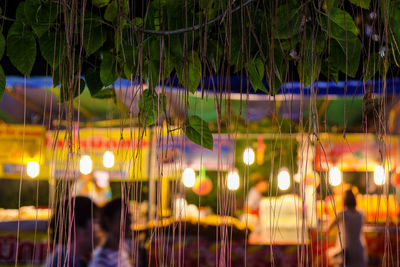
x,y
165,42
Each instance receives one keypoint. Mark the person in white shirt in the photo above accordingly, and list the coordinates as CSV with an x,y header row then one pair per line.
x,y
252,204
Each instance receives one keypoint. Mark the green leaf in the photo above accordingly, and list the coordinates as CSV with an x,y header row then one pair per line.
x,y
111,11
330,3
205,4
287,21
152,64
339,24
2,82
361,3
197,131
92,78
129,60
175,47
214,54
93,38
21,49
236,57
138,21
168,66
279,74
194,72
256,74
100,3
345,56
107,69
53,48
105,93
151,72
20,13
308,69
371,66
56,77
17,28
150,106
40,14
92,20
2,44
309,66
329,71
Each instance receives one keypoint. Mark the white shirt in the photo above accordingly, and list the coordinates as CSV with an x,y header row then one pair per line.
x,y
104,257
253,199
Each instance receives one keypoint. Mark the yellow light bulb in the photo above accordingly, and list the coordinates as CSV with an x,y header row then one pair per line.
x,y
85,165
188,177
335,176
32,169
283,180
379,175
248,156
108,159
233,181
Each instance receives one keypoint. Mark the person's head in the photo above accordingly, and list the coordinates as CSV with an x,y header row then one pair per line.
x,y
349,200
73,221
260,183
112,214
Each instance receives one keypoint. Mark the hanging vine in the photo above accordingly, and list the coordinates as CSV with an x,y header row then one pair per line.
x,y
95,43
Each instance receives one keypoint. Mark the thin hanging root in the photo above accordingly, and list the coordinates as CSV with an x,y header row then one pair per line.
x,y
397,48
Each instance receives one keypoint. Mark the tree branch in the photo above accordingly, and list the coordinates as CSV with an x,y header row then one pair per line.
x,y
193,28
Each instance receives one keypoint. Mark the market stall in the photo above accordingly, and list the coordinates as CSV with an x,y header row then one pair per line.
x,y
33,155
222,224
23,231
368,167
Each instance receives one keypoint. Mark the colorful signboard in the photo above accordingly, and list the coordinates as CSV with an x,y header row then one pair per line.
x,y
130,148
31,247
355,152
176,153
19,145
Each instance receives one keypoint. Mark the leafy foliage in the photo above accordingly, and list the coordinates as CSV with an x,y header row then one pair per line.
x,y
21,48
267,42
197,131
150,106
93,81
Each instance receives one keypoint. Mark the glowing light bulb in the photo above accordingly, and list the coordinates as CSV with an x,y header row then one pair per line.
x,y
233,181
283,180
335,176
248,156
379,175
85,165
108,159
32,169
188,177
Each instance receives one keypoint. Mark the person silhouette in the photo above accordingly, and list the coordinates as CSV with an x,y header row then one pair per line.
x,y
115,222
73,230
350,244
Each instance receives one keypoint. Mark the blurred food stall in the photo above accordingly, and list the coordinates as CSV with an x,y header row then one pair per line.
x,y
22,160
368,165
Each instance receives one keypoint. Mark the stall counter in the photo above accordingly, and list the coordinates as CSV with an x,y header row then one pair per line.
x,y
382,245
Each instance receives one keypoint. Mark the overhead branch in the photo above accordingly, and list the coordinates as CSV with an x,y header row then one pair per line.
x,y
188,29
